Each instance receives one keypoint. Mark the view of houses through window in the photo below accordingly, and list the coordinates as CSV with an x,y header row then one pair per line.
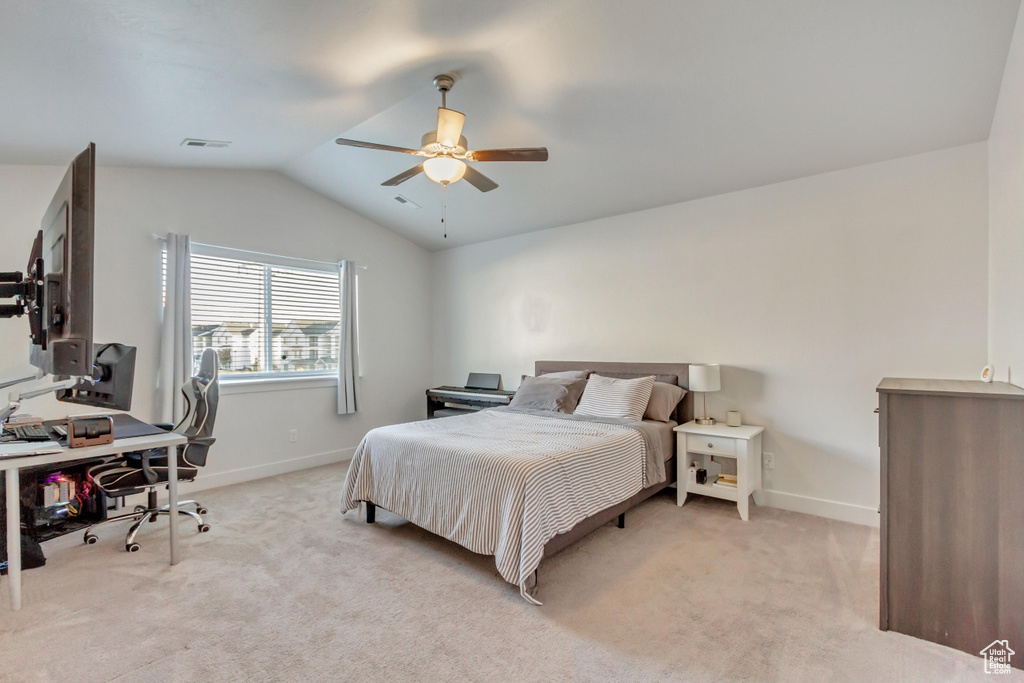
x,y
264,318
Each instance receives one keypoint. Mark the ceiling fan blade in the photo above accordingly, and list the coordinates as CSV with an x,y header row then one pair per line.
x,y
478,179
449,126
374,145
403,176
519,154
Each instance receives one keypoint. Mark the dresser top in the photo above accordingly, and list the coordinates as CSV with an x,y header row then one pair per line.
x,y
950,387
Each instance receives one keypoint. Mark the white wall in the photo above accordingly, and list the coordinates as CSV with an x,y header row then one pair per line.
x,y
1006,219
256,210
809,292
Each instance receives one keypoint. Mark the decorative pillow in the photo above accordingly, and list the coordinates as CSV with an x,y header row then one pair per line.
x,y
664,399
568,374
548,393
565,374
616,398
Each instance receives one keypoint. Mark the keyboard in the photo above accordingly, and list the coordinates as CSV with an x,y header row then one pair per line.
x,y
470,390
495,396
30,433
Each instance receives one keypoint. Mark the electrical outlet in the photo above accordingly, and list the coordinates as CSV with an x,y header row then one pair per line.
x,y
293,436
768,459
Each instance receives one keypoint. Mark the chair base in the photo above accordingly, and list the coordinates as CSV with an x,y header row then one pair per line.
x,y
149,513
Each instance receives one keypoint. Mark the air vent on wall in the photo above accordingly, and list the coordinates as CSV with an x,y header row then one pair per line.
x,y
193,142
406,202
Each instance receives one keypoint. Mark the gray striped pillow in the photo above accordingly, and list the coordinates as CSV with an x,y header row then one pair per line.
x,y
608,397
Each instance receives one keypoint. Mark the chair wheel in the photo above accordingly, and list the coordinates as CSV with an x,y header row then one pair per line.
x,y
90,539
132,547
140,508
201,510
203,528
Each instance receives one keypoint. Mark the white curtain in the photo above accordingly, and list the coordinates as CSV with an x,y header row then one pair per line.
x,y
348,358
176,341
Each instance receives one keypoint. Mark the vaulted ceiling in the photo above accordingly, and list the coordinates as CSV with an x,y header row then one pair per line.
x,y
641,104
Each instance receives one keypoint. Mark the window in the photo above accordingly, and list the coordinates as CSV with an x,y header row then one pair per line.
x,y
267,316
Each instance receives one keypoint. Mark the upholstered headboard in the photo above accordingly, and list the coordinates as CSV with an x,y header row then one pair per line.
x,y
672,373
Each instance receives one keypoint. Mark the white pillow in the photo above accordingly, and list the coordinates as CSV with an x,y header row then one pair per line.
x,y
616,398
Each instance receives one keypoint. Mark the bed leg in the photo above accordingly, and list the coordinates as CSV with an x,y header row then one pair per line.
x,y
371,512
622,521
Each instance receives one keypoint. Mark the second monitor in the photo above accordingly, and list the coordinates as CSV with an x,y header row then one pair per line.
x,y
114,372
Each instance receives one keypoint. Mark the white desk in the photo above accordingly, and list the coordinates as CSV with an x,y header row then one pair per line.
x,y
12,465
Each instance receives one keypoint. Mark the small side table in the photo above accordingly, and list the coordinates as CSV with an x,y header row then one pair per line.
x,y
700,443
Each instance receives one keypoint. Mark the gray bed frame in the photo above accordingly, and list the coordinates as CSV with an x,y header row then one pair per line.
x,y
674,373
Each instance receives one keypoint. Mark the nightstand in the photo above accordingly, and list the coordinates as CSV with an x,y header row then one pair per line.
x,y
700,443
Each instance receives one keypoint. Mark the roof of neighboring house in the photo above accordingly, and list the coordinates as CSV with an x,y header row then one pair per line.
x,y
309,328
204,330
243,329
318,328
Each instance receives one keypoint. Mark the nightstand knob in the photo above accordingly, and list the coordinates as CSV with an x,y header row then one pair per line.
x,y
711,445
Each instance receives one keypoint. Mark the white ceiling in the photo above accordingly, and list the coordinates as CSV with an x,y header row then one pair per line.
x,y
641,104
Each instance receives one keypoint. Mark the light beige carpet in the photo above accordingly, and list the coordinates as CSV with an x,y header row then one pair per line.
x,y
287,589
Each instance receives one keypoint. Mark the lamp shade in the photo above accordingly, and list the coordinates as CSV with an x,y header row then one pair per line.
x,y
705,377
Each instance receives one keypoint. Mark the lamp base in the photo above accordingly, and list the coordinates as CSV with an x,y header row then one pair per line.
x,y
706,421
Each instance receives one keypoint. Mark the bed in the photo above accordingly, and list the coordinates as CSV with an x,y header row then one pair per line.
x,y
520,485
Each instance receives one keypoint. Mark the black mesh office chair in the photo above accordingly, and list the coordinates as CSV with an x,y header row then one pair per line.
x,y
146,470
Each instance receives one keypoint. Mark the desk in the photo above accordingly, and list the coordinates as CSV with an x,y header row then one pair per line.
x,y
11,465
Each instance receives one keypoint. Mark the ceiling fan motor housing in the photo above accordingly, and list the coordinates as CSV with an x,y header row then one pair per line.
x,y
430,145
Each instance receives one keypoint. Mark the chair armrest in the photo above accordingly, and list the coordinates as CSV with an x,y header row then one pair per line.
x,y
166,426
147,469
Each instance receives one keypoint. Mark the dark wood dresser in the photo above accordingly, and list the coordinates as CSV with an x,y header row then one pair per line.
x,y
952,512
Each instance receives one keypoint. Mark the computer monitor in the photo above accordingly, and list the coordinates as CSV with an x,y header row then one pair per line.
x,y
112,380
62,345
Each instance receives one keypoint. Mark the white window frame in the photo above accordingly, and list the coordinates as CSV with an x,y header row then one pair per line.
x,y
270,380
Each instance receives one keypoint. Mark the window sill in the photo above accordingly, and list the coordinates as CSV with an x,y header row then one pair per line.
x,y
255,386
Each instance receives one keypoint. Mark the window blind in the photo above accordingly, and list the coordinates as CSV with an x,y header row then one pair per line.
x,y
264,319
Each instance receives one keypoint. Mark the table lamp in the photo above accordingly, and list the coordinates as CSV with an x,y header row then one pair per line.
x,y
705,378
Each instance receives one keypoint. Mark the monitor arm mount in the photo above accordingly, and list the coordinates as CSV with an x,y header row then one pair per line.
x,y
15,398
26,290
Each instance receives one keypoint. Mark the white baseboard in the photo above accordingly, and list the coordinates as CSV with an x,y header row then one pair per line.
x,y
218,479
844,512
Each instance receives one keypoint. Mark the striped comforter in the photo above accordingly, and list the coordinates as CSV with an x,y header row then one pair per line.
x,y
502,482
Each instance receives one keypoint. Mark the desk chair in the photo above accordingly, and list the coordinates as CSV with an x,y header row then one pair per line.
x,y
146,470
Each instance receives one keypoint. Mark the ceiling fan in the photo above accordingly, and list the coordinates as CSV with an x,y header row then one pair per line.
x,y
447,150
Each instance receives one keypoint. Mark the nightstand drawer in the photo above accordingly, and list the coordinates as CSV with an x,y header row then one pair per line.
x,y
715,445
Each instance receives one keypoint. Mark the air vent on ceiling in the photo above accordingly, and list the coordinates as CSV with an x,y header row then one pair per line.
x,y
193,142
406,202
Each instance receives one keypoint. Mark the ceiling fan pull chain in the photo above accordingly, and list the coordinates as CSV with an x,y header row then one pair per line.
x,y
444,208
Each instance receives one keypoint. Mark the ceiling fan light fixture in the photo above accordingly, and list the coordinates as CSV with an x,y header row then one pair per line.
x,y
444,170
